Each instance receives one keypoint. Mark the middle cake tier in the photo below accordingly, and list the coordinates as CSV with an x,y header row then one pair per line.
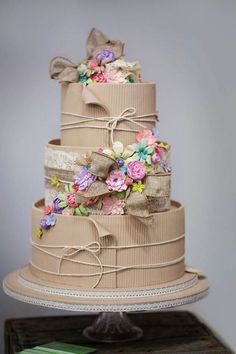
x,y
62,162
110,251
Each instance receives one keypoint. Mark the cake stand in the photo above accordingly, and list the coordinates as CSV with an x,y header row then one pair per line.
x,y
112,323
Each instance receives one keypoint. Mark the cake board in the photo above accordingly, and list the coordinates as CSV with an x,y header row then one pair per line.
x,y
112,324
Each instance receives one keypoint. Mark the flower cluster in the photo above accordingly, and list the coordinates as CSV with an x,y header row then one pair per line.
x,y
67,204
47,221
131,165
126,173
147,155
105,68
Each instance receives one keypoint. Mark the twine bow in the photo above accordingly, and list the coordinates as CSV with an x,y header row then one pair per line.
x,y
92,248
64,70
127,114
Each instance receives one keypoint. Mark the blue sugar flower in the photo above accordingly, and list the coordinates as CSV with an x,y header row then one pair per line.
x,y
143,152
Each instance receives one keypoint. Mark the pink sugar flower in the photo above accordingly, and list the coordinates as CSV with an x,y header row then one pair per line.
x,y
47,210
116,181
115,76
136,170
156,158
128,181
92,64
147,135
67,212
159,150
99,78
113,206
72,200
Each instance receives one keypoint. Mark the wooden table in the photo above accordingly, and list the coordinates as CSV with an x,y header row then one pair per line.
x,y
164,332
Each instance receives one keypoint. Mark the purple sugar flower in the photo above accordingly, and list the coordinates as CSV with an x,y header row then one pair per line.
x,y
47,221
43,224
55,205
155,132
84,179
50,220
105,56
166,167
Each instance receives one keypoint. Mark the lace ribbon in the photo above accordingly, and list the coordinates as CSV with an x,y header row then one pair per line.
x,y
127,115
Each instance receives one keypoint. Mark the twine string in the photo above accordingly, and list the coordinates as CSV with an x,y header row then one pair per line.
x,y
69,252
128,114
93,248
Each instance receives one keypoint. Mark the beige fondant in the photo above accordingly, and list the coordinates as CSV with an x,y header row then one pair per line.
x,y
126,246
99,100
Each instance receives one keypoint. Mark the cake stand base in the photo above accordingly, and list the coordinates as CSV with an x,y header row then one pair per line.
x,y
111,327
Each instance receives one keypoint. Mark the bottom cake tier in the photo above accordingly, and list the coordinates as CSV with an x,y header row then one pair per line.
x,y
108,263
110,251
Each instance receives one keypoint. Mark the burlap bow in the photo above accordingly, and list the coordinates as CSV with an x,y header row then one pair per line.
x,y
155,197
64,70
156,186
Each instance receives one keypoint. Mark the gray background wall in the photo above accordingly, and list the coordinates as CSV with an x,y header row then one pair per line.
x,y
188,48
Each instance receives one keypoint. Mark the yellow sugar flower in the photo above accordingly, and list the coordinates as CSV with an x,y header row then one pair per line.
x,y
138,187
39,232
148,168
55,181
163,145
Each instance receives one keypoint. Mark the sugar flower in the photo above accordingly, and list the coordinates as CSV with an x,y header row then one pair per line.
x,y
99,77
163,145
55,181
129,181
138,187
116,181
92,64
47,221
72,200
155,132
156,158
143,152
166,167
113,205
119,153
84,179
125,65
147,135
83,78
68,212
82,68
47,210
105,56
55,205
159,150
39,232
115,76
136,170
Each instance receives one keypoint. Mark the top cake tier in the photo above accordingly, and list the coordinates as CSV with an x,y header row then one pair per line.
x,y
98,114
104,98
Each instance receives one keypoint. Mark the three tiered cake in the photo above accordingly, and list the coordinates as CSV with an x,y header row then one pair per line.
x,y
107,236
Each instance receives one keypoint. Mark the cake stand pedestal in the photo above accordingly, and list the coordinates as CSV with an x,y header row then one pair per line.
x,y
112,327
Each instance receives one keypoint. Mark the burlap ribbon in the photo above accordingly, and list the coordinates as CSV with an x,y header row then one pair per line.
x,y
137,204
97,41
64,70
156,186
101,164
